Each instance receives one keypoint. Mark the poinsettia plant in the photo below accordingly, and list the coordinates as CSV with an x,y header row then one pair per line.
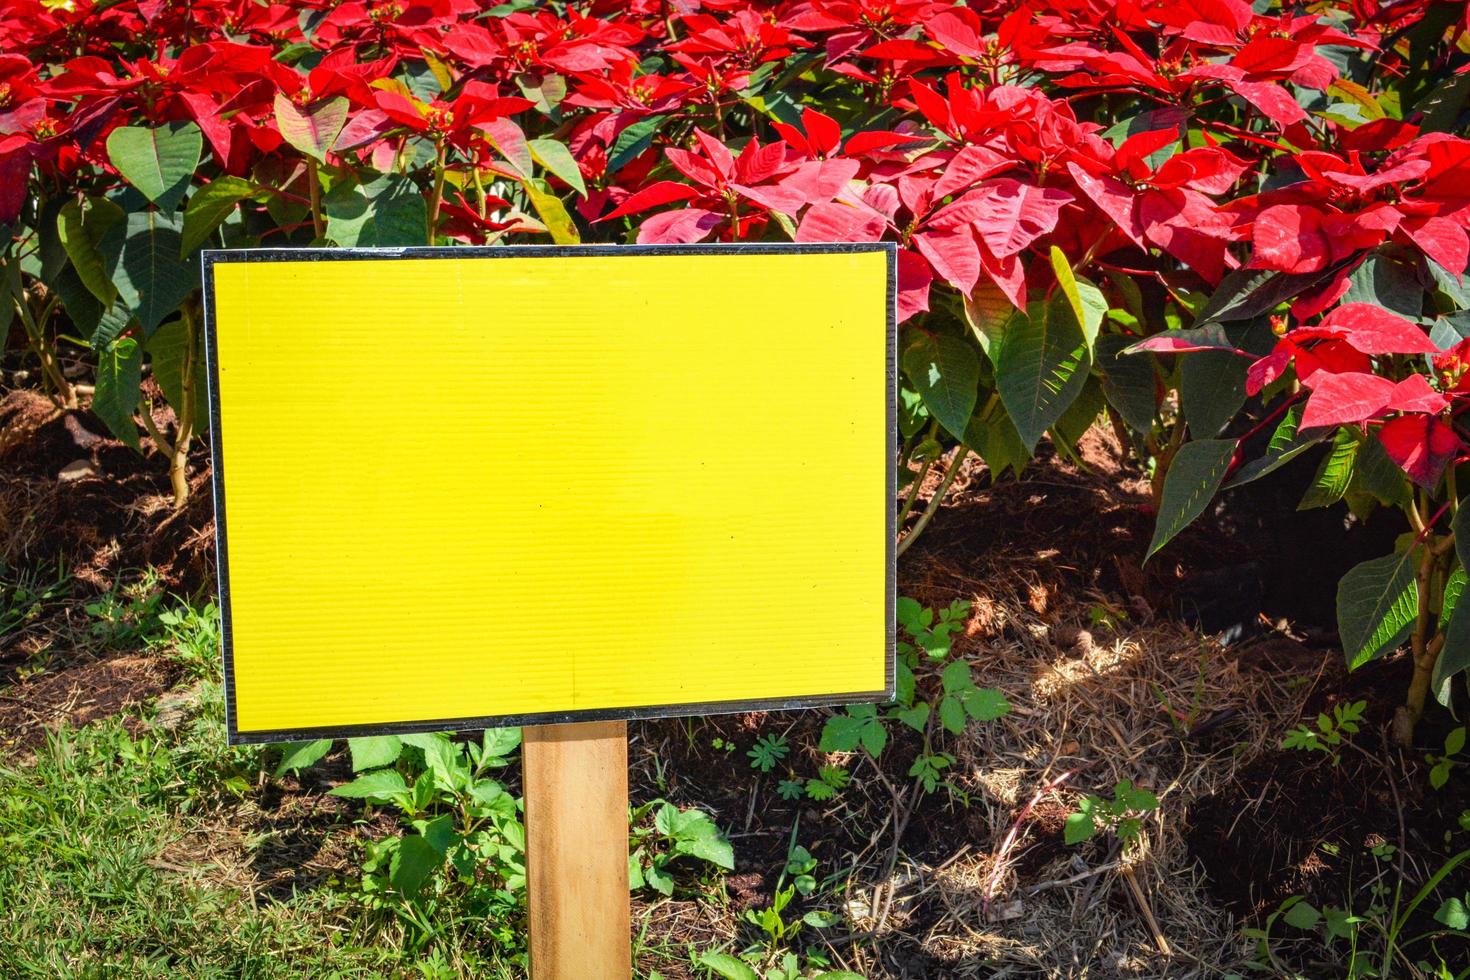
x,y
1100,205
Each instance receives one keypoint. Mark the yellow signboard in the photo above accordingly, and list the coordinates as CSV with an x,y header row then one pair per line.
x,y
464,487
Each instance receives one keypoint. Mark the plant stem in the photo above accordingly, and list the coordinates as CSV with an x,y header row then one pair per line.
x,y
479,190
954,470
1424,646
436,200
179,459
159,439
913,494
44,349
314,190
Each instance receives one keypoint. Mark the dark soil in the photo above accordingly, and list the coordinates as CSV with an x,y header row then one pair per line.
x,y
78,694
71,494
1297,825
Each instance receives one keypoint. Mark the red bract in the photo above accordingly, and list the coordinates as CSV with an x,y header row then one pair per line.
x,y
722,185
457,122
1421,445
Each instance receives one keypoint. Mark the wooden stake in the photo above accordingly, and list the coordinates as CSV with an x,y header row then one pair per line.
x,y
576,783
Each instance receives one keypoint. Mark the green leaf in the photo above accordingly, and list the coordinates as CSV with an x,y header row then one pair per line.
x,y
151,279
379,787
1454,656
945,371
715,850
1450,329
858,725
497,743
1190,485
635,870
1041,363
1248,293
1385,281
1094,310
1080,415
1450,285
1302,916
119,372
952,715
299,755
159,162
81,227
374,751
1211,390
1087,301
553,214
167,349
985,704
987,310
1377,474
956,677
1443,105
1134,798
546,91
555,157
413,862
1335,471
312,129
727,966
1460,525
1128,382
916,716
632,141
659,879
208,208
1078,828
1454,588
110,325
1066,281
388,210
1377,603
1454,913
1454,742
1286,444
439,832
994,437
442,757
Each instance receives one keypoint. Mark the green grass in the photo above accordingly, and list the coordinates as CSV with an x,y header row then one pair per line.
x,y
125,845
114,861
85,888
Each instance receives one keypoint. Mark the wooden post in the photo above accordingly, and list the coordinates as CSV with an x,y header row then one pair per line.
x,y
576,783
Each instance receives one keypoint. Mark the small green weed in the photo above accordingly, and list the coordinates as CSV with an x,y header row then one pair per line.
x,y
1441,765
1330,732
931,685
672,837
463,845
26,592
1123,815
127,613
788,967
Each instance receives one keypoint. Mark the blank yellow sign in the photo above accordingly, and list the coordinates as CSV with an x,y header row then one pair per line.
x,y
465,487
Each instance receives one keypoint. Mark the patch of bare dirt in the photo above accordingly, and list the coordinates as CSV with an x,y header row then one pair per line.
x,y
72,494
78,694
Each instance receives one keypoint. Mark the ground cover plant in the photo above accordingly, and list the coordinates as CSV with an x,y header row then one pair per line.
x,y
1226,240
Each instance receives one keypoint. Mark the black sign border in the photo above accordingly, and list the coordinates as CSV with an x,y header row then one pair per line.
x,y
212,257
